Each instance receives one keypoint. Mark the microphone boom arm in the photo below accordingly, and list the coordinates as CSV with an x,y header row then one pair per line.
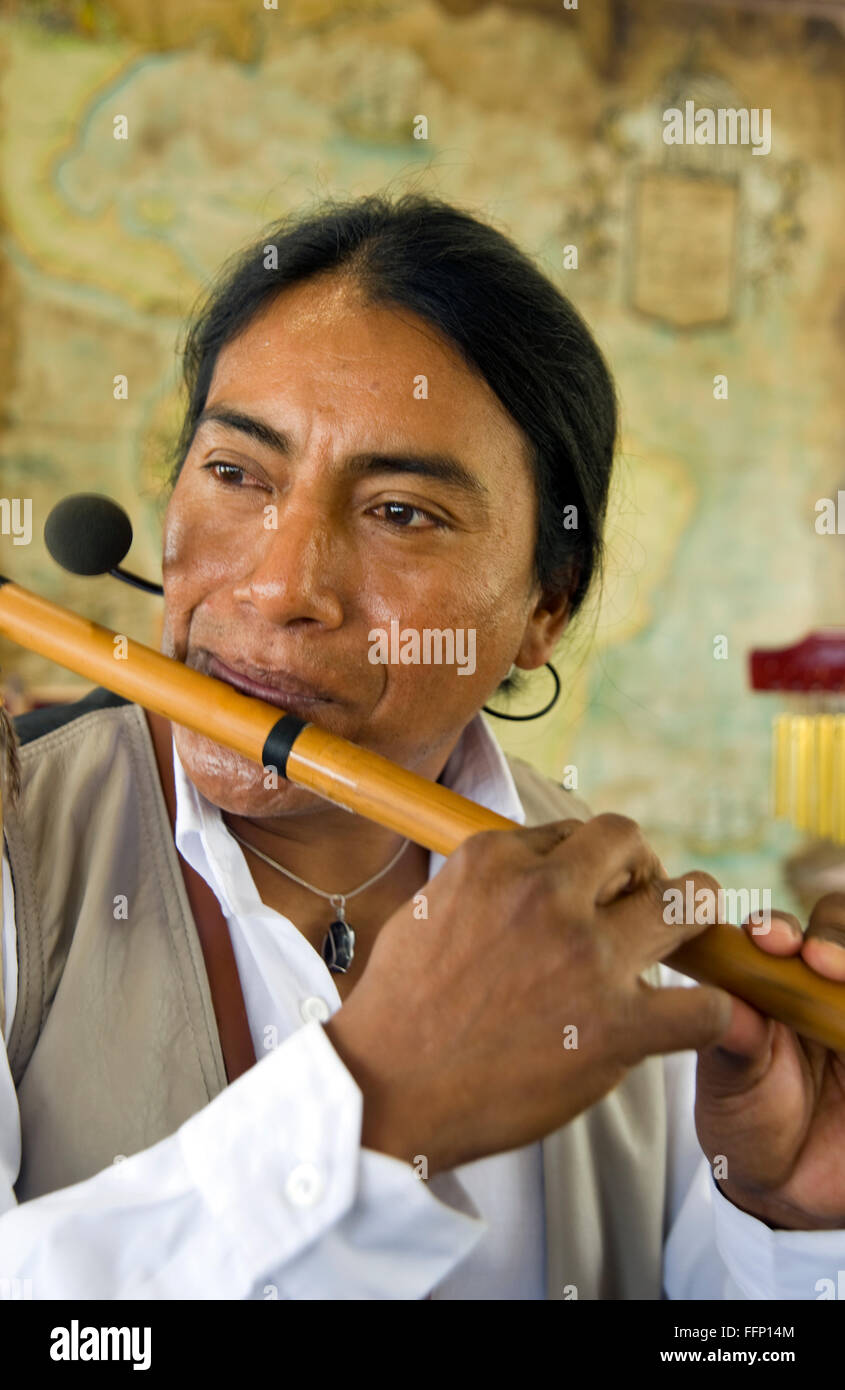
x,y
146,584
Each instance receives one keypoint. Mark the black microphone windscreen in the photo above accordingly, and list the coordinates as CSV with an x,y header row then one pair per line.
x,y
88,533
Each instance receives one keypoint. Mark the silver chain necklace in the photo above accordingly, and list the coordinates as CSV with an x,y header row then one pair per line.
x,y
339,941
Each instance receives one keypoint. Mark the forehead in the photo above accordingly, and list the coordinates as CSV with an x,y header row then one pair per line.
x,y
320,351
328,324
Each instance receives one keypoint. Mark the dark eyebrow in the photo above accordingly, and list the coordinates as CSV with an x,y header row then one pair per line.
x,y
246,424
443,467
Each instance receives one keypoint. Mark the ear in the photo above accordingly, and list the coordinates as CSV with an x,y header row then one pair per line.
x,y
544,628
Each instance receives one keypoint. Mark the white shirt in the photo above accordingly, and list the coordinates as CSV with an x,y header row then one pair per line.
x,y
267,1192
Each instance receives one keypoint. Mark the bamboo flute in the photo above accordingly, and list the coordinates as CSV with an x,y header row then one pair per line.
x,y
373,786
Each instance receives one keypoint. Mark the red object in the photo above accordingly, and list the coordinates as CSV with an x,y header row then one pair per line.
x,y
816,663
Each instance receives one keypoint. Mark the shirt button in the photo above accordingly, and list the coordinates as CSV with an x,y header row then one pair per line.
x,y
304,1186
314,1008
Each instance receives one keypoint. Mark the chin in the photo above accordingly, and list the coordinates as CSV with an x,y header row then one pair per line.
x,y
235,783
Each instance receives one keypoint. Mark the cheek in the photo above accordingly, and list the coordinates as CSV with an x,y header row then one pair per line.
x,y
196,558
479,585
479,610
198,545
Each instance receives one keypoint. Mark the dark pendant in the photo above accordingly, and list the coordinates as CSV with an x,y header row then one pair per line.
x,y
339,947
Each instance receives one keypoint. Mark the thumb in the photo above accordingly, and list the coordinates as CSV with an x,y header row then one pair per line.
x,y
742,1054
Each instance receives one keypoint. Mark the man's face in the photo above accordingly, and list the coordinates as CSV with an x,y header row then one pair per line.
x,y
281,555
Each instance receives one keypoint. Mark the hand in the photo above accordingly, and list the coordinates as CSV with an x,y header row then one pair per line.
x,y
455,1031
772,1103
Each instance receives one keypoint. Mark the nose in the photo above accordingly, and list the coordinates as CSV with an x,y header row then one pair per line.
x,y
293,575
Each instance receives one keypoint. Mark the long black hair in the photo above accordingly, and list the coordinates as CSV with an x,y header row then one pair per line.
x,y
506,318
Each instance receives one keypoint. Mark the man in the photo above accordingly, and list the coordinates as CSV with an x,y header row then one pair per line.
x,y
389,408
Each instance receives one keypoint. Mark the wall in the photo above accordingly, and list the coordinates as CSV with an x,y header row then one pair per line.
x,y
693,262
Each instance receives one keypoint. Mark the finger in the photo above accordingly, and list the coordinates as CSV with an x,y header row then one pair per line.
x,y
608,856
680,909
746,1040
695,898
775,931
542,839
678,1019
518,848
824,941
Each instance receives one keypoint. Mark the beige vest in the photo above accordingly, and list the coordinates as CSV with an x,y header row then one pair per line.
x,y
115,1044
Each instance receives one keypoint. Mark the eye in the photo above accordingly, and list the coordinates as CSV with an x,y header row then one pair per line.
x,y
401,515
223,472
231,475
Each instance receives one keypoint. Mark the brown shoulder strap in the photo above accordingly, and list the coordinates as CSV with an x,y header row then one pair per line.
x,y
213,932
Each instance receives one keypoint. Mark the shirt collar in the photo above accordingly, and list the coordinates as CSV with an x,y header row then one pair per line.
x,y
477,769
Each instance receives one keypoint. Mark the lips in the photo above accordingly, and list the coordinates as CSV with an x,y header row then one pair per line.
x,y
289,693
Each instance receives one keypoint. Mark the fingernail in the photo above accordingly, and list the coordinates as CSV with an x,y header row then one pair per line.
x,y
830,955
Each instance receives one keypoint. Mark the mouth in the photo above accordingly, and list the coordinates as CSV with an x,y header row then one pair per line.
x,y
288,692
